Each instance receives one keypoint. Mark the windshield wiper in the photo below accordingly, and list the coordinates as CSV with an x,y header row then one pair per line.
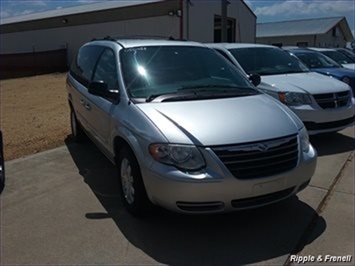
x,y
153,96
212,87
205,91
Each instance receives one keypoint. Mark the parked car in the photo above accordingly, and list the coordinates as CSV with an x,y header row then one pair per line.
x,y
322,64
324,104
346,52
337,57
2,165
185,128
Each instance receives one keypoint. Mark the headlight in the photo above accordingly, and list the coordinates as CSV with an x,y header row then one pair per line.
x,y
346,80
304,139
294,98
184,157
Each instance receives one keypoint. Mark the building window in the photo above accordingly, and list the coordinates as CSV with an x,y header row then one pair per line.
x,y
278,44
335,32
302,44
231,22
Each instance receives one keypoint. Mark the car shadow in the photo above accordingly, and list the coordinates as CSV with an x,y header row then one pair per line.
x,y
225,239
329,144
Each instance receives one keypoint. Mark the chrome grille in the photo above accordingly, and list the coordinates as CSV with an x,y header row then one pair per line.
x,y
260,159
332,100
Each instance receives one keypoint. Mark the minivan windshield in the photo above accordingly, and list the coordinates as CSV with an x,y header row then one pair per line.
x,y
267,61
151,71
316,60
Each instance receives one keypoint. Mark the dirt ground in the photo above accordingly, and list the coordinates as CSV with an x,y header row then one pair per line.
x,y
34,114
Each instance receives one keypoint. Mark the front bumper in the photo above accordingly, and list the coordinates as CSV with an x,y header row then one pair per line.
x,y
319,120
217,190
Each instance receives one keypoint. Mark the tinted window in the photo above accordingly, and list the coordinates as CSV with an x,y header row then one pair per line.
x,y
267,61
168,69
346,52
339,57
316,60
106,69
84,64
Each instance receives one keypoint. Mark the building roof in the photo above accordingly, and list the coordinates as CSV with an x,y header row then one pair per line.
x,y
303,27
75,10
107,11
248,7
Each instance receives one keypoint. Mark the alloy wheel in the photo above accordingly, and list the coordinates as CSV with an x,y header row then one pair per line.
x,y
127,181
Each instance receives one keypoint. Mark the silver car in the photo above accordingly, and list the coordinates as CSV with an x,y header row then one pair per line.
x,y
185,128
324,104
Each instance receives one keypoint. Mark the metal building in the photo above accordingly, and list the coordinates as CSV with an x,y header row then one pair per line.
x,y
322,32
69,28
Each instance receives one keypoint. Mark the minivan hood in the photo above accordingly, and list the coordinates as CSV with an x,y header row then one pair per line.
x,y
311,82
222,121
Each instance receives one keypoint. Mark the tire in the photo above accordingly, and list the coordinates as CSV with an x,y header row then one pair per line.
x,y
133,193
77,131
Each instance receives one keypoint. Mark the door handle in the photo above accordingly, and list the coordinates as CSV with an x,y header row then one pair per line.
x,y
87,106
82,102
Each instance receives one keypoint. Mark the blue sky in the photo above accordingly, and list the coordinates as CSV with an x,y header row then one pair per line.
x,y
270,11
266,10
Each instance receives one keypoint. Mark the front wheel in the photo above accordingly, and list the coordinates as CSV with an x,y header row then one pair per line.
x,y
133,192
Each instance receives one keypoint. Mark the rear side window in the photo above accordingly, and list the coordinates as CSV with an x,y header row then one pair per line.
x,y
84,64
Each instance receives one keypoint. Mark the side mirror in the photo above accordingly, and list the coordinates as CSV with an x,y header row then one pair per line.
x,y
255,79
96,87
100,88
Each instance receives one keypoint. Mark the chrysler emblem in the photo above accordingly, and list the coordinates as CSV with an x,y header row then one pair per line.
x,y
263,147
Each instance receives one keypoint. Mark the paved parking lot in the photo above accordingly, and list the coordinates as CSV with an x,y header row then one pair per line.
x,y
62,207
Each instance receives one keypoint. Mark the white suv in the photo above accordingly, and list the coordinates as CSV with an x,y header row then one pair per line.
x,y
324,104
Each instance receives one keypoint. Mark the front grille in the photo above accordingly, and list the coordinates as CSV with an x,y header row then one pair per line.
x,y
262,200
260,159
332,100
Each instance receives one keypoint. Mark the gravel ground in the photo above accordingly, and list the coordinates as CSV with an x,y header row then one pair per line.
x,y
34,114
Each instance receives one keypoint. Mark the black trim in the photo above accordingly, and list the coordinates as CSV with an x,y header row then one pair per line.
x,y
262,200
200,206
329,125
254,142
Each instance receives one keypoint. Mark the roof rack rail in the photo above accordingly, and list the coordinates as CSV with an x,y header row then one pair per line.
x,y
138,37
107,38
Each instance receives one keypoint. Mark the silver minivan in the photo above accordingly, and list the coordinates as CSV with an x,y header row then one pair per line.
x,y
185,128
